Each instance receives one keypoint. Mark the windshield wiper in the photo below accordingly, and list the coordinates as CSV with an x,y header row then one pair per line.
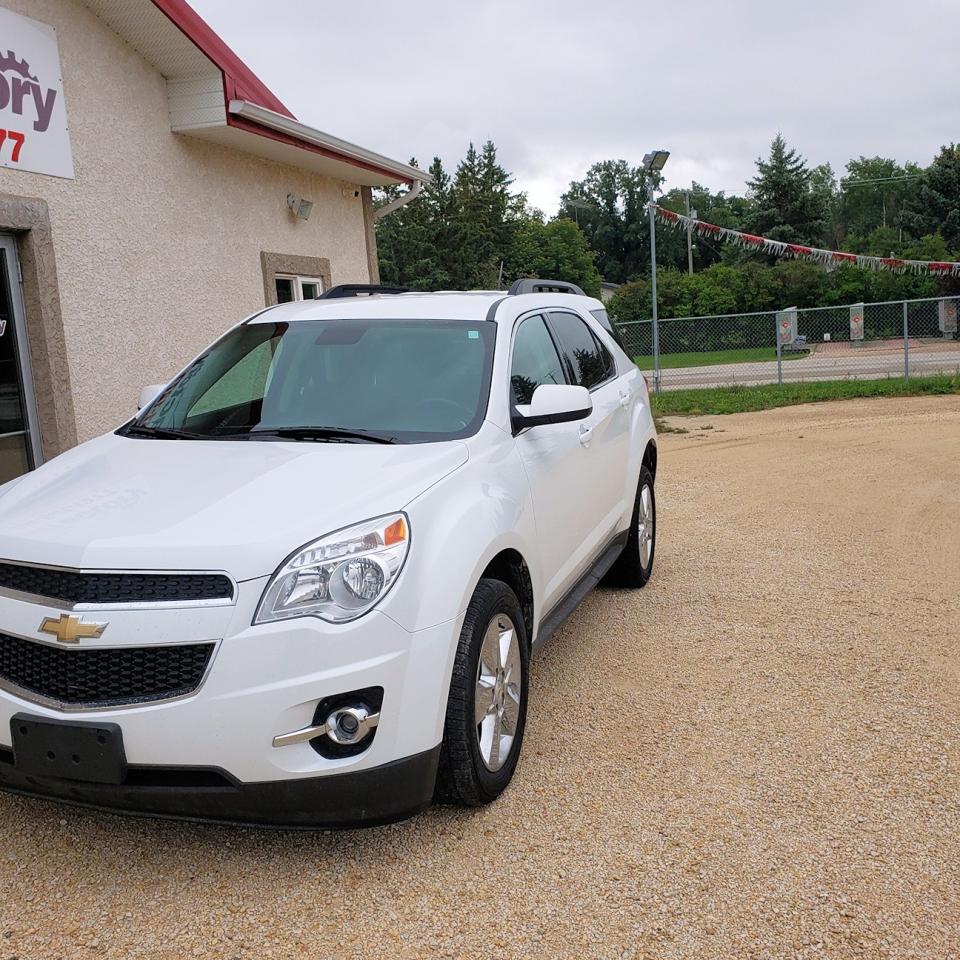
x,y
162,433
322,434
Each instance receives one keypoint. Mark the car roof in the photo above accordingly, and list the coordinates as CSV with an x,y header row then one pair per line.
x,y
443,305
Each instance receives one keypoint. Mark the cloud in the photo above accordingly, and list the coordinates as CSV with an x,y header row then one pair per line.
x,y
559,84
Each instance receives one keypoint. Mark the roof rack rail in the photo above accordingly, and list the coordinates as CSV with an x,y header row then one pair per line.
x,y
359,290
536,285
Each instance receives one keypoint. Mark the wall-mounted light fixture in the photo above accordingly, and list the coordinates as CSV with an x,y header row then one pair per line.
x,y
299,207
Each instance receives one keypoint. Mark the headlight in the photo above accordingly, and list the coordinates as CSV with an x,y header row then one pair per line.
x,y
341,576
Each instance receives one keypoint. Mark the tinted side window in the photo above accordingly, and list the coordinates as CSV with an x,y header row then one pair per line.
x,y
535,360
590,360
604,320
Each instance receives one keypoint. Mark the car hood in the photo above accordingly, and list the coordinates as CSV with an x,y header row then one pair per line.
x,y
241,506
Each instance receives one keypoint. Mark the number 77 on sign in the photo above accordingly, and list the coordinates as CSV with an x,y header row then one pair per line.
x,y
18,139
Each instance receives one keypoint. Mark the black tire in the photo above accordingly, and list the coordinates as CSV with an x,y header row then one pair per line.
x,y
463,777
629,569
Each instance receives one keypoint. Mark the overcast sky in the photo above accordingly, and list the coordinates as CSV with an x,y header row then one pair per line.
x,y
558,85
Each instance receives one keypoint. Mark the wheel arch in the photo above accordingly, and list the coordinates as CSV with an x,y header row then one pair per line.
x,y
650,458
511,568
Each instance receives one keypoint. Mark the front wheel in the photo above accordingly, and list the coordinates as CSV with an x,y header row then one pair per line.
x,y
487,708
634,566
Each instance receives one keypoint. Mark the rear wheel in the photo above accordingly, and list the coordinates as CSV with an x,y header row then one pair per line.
x,y
634,566
487,707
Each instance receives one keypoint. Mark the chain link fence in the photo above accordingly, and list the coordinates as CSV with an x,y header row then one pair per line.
x,y
856,341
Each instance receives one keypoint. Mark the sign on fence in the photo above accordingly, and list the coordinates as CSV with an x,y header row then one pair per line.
x,y
786,326
948,316
856,321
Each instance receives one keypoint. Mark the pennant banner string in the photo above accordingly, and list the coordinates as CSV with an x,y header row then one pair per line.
x,y
800,252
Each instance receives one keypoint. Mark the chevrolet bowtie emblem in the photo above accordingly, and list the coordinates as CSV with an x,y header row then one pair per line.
x,y
69,629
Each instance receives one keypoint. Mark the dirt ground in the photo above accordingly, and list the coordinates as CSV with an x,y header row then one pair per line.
x,y
756,756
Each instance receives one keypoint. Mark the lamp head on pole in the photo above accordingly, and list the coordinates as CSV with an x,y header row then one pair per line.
x,y
655,160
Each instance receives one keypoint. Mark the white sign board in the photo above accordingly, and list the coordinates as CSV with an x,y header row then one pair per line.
x,y
786,325
856,321
948,316
33,116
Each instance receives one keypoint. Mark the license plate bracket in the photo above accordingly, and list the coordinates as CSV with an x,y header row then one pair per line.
x,y
89,752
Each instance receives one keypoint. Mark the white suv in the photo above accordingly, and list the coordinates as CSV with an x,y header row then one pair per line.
x,y
303,585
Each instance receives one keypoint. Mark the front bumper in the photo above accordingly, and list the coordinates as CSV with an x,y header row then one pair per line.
x,y
210,755
364,798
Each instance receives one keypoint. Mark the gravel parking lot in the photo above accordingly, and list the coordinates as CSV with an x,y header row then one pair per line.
x,y
756,756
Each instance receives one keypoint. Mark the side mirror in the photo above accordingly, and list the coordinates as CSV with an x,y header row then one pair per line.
x,y
149,394
554,403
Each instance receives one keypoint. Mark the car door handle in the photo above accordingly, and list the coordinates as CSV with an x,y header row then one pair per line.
x,y
624,399
585,434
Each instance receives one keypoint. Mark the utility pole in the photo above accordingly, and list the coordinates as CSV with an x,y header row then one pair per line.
x,y
690,213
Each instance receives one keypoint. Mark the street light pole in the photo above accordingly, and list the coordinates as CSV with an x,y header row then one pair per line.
x,y
653,163
653,288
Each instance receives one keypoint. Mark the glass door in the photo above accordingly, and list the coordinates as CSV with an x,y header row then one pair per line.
x,y
17,418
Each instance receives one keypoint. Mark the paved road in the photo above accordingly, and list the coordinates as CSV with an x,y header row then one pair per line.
x,y
755,757
864,366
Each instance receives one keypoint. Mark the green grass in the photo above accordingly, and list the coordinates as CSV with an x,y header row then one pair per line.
x,y
720,400
671,361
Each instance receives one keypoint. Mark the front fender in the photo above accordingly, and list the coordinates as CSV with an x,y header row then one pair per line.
x,y
457,527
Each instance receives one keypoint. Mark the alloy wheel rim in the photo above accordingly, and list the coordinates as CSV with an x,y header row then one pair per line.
x,y
645,526
498,691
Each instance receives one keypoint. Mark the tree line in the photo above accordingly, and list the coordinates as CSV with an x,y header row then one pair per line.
x,y
474,229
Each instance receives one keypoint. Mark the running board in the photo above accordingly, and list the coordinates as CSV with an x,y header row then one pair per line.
x,y
578,592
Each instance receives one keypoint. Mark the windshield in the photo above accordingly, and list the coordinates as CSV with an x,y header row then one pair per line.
x,y
402,381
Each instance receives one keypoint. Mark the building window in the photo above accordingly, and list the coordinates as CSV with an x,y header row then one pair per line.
x,y
291,288
289,277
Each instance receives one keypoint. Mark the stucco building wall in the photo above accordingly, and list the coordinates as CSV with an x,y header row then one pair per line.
x,y
158,240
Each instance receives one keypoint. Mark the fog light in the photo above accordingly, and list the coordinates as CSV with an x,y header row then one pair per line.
x,y
349,725
343,725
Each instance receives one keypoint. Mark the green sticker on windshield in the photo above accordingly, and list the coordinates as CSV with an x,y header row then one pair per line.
x,y
473,334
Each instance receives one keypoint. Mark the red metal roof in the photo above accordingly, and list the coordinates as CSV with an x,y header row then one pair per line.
x,y
239,81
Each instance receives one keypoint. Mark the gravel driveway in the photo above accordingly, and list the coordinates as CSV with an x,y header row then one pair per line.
x,y
756,756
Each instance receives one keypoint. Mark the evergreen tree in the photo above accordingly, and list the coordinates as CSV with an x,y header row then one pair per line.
x,y
786,207
406,242
487,218
459,232
935,204
414,243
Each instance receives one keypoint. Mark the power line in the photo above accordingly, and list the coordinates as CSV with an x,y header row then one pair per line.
x,y
848,182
